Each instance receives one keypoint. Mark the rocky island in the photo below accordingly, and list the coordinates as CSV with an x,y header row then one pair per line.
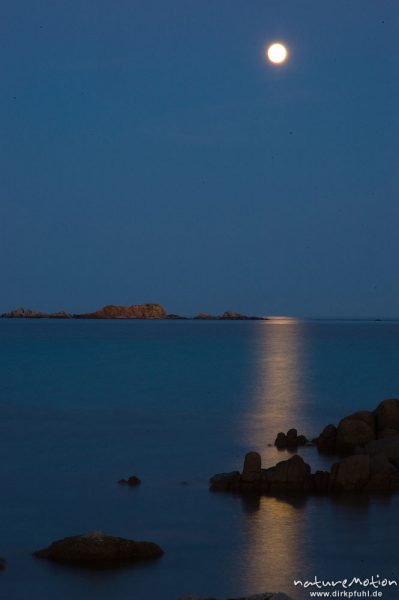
x,y
134,311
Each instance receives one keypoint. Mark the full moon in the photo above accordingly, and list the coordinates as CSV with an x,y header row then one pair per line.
x,y
277,53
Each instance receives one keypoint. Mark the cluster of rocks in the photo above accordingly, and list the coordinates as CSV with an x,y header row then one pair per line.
x,y
292,475
370,441
264,596
289,440
97,550
359,429
135,311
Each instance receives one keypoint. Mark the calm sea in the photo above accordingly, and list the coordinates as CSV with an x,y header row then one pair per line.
x,y
84,403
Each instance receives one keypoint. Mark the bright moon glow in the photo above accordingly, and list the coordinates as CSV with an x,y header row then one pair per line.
x,y
277,53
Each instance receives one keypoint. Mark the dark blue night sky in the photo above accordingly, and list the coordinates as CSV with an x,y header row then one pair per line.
x,y
149,152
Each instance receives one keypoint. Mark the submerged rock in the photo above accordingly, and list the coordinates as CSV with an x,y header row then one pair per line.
x,y
2,563
98,550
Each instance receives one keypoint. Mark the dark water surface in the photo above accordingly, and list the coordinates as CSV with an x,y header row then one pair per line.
x,y
84,403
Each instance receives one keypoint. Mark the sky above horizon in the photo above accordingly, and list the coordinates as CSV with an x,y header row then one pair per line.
x,y
150,153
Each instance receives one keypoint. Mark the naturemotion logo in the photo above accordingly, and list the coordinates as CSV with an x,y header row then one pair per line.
x,y
354,587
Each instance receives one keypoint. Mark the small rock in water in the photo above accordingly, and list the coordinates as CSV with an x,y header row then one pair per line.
x,y
2,563
132,481
289,440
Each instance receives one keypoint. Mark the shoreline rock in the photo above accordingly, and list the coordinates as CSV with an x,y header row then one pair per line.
x,y
97,550
370,472
357,430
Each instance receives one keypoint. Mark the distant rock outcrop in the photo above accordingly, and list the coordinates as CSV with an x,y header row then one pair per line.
x,y
98,550
27,313
136,311
228,315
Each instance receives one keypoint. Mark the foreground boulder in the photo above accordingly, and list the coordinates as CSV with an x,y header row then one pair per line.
x,y
252,469
327,440
388,447
292,475
291,439
360,428
355,430
384,476
350,475
387,415
98,550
